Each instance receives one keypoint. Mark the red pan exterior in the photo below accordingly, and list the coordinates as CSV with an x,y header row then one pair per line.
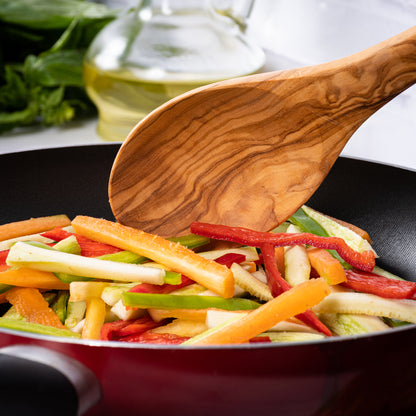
x,y
355,376
366,375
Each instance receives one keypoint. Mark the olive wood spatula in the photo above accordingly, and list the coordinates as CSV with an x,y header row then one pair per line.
x,y
250,151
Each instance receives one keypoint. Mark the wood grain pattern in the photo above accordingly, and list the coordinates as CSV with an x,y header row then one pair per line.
x,y
250,151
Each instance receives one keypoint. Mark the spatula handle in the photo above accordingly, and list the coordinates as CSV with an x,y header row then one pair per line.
x,y
374,76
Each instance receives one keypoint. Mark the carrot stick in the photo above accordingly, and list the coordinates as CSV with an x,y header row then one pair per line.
x,y
32,278
327,266
178,258
94,319
290,303
32,226
30,303
279,254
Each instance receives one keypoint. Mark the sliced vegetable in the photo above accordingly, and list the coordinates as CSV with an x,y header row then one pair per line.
x,y
26,277
307,224
335,229
150,300
293,336
187,314
362,261
166,288
251,284
75,313
60,304
250,253
21,325
32,226
380,285
6,244
327,266
68,245
352,324
308,317
30,303
288,304
149,337
297,265
26,255
82,291
182,328
125,313
94,318
230,258
215,317
178,258
367,304
123,328
275,281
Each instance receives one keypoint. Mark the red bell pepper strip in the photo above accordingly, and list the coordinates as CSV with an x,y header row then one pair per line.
x,y
261,338
362,261
275,281
161,289
3,257
89,248
154,338
229,258
116,331
379,285
278,285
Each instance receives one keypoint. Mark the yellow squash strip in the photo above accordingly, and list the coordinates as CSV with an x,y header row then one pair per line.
x,y
182,327
178,258
198,315
30,303
94,318
26,277
79,291
288,304
249,283
326,266
32,226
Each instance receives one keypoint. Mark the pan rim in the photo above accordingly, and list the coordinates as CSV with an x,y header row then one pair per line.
x,y
124,345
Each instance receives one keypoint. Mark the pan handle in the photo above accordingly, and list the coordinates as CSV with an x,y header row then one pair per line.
x,y
39,381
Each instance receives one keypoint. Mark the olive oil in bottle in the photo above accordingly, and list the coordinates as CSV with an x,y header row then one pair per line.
x,y
158,50
123,99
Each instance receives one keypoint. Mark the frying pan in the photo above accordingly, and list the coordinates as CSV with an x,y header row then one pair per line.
x,y
359,375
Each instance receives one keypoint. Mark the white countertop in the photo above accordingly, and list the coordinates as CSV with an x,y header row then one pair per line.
x,y
299,33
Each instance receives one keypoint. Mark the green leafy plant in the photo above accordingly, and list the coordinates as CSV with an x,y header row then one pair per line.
x,y
41,59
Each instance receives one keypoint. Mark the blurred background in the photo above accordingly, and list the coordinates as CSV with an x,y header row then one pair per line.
x,y
292,33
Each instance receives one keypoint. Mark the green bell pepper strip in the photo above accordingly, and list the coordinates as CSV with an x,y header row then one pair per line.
x,y
163,301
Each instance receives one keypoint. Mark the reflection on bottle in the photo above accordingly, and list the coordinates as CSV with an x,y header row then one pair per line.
x,y
158,51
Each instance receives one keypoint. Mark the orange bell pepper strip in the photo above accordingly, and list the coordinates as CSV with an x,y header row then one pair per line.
x,y
326,266
290,303
30,303
26,277
94,318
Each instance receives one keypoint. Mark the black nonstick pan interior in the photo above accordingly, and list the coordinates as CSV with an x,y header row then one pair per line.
x,y
379,198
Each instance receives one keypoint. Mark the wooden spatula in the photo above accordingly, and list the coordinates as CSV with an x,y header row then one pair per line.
x,y
250,151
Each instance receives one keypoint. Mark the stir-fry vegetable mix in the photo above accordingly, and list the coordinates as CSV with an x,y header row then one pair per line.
x,y
311,278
